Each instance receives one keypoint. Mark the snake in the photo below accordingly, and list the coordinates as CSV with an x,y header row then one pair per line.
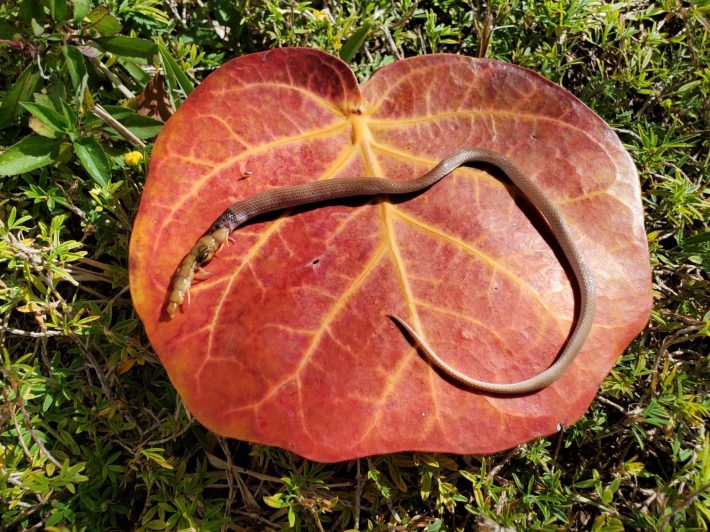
x,y
281,198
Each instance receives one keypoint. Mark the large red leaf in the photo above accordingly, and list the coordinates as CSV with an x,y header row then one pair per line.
x,y
288,343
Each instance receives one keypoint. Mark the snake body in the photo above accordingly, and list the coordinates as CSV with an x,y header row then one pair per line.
x,y
317,191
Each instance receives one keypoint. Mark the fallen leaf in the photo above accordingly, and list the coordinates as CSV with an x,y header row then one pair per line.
x,y
288,343
154,101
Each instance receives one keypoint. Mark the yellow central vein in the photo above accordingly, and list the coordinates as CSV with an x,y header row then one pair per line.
x,y
406,360
398,262
466,171
362,136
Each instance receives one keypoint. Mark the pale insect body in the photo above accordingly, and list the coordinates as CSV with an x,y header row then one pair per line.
x,y
200,254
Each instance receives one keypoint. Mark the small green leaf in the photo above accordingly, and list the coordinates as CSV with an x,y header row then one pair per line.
x,y
132,66
583,484
690,85
425,484
94,159
27,155
21,91
37,28
104,21
14,223
48,400
156,455
41,128
354,43
141,126
156,524
55,518
48,115
174,75
128,46
291,517
607,495
81,8
86,98
58,9
470,476
68,113
435,526
275,500
75,64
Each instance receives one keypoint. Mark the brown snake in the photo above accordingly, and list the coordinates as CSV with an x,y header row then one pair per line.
x,y
317,191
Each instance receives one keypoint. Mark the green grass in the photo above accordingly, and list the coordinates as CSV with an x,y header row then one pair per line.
x,y
93,436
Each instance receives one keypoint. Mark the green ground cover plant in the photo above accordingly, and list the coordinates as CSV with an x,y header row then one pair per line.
x,y
92,434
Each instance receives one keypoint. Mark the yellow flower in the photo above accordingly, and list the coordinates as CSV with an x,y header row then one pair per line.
x,y
133,158
323,14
